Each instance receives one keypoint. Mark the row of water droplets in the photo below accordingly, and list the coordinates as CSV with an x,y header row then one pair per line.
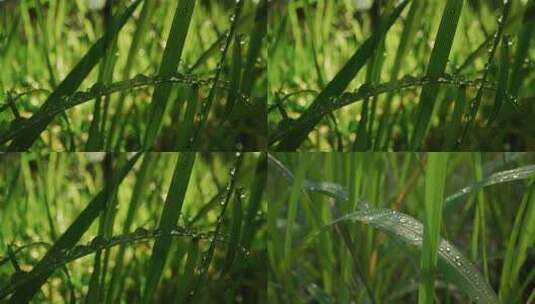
x,y
519,173
318,110
411,231
62,257
470,115
52,109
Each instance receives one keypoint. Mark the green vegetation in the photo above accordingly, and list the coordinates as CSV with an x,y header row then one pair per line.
x,y
401,227
401,75
203,63
132,228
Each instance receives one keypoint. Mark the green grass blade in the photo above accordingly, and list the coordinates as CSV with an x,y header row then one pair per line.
x,y
205,109
503,81
235,77
73,234
170,60
451,262
520,173
298,133
435,180
522,50
235,232
474,106
186,126
168,220
455,126
142,26
436,67
188,276
73,80
208,255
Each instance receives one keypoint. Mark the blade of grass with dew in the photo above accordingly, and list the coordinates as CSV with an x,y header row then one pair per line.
x,y
188,276
435,181
520,173
113,139
302,127
503,80
235,77
235,233
170,60
437,65
474,105
254,204
73,80
168,220
72,235
207,257
522,50
205,109
255,48
451,262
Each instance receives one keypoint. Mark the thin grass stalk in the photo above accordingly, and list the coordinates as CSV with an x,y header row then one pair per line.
x,y
168,220
435,180
170,60
437,64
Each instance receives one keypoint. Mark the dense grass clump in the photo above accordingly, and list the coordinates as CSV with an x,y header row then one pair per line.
x,y
401,75
401,228
131,75
132,228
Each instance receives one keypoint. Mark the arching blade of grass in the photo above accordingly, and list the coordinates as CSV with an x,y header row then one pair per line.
x,y
97,90
435,181
170,60
451,262
436,67
71,83
519,173
366,91
299,132
72,235
168,220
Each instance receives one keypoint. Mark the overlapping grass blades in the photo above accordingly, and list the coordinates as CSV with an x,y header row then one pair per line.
x,y
97,90
298,133
72,235
73,80
171,58
437,65
168,220
140,234
452,263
